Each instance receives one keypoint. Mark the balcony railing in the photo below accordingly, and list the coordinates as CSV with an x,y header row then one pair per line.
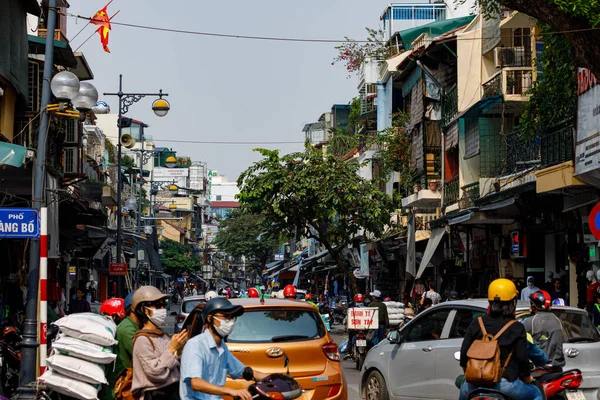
x,y
557,145
518,81
450,105
521,152
471,191
493,86
368,103
451,190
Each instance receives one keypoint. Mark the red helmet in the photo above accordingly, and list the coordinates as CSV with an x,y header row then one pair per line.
x,y
359,298
253,293
541,300
114,306
289,292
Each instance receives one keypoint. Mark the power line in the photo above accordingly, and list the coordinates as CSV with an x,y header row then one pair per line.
x,y
300,40
222,142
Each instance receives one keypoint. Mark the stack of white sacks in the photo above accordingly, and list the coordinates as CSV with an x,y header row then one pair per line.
x,y
395,311
80,355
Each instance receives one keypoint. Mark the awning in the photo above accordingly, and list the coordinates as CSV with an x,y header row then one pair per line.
x,y
63,55
433,29
393,63
460,218
225,282
196,277
498,204
274,265
165,276
436,237
12,154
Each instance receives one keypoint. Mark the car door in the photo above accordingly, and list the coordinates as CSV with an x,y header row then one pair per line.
x,y
411,368
447,368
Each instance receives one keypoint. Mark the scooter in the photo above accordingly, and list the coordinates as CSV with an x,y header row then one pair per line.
x,y
274,386
362,345
10,355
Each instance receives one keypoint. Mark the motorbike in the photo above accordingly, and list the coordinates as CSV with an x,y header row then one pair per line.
x,y
554,385
10,353
362,344
274,386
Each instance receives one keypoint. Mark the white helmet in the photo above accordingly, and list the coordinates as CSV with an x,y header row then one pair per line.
x,y
598,275
211,295
589,275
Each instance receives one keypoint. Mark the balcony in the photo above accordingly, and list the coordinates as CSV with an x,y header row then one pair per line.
x,y
451,191
58,35
521,152
400,16
316,134
557,145
368,103
513,83
450,105
471,192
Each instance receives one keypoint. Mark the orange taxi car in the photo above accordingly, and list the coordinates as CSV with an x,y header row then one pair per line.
x,y
273,331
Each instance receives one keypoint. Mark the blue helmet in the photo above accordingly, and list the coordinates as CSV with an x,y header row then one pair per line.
x,y
128,300
559,302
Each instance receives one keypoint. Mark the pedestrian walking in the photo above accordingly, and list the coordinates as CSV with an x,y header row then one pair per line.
x,y
155,355
431,294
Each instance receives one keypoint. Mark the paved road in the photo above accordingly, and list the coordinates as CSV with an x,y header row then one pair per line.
x,y
350,372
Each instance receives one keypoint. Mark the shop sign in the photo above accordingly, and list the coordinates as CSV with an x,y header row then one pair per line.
x,y
594,221
19,223
117,269
363,318
358,275
72,270
587,146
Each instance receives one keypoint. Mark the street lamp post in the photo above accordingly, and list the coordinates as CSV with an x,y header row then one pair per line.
x,y
126,100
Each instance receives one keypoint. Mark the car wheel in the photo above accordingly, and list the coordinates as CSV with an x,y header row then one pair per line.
x,y
376,388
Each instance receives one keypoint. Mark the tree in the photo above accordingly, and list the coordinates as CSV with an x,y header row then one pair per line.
x,y
127,162
176,257
239,235
575,18
320,197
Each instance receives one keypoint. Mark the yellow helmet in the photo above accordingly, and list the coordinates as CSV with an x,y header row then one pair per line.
x,y
502,289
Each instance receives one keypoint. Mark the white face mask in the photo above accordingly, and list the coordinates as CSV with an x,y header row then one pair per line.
x,y
226,327
159,316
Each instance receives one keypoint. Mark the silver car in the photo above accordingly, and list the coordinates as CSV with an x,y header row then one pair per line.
x,y
187,305
418,361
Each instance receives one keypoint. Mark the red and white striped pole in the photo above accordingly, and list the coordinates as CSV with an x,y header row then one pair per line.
x,y
43,286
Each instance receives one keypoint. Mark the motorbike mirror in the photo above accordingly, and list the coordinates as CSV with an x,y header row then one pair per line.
x,y
457,356
248,374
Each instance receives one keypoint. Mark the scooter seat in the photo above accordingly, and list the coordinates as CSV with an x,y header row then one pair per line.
x,y
550,376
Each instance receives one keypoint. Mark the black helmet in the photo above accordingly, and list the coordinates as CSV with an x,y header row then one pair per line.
x,y
221,304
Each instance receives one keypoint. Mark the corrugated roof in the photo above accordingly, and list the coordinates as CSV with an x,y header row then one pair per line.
x,y
225,204
433,29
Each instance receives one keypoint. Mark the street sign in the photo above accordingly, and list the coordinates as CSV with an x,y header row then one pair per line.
x,y
19,223
117,269
363,318
594,221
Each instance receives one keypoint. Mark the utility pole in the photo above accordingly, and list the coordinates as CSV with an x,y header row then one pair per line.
x,y
29,345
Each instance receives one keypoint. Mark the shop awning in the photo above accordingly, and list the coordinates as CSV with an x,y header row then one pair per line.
x,y
433,29
197,278
12,154
63,55
436,237
274,265
498,204
165,276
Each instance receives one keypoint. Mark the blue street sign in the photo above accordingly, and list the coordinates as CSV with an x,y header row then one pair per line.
x,y
19,223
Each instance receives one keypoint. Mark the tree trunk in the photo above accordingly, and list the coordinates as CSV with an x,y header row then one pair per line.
x,y
341,263
586,43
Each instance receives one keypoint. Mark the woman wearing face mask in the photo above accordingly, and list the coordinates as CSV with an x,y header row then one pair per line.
x,y
156,355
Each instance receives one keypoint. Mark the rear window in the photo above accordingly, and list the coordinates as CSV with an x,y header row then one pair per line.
x,y
272,326
188,306
300,296
577,326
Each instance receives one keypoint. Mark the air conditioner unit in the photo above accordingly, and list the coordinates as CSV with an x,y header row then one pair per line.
x,y
70,160
509,57
71,134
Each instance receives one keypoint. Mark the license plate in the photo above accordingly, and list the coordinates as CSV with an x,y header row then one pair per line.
x,y
577,395
361,343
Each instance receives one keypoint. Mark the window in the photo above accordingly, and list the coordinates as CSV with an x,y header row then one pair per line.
x,y
471,137
278,325
219,197
576,325
188,306
462,320
428,327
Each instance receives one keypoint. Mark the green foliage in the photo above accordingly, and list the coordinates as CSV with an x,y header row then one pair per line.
x,y
238,237
176,256
354,111
127,162
588,9
352,54
395,150
323,197
554,96
340,144
108,146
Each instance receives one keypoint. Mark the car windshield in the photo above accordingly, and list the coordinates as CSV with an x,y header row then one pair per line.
x,y
577,326
300,296
188,306
277,326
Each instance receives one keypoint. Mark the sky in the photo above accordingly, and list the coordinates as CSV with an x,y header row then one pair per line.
x,y
223,89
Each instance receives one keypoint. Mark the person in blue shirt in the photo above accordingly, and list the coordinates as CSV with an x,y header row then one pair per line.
x,y
206,360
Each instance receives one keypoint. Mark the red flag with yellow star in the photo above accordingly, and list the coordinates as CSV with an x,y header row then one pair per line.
x,y
101,19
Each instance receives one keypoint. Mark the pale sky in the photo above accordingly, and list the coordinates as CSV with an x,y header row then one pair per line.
x,y
226,89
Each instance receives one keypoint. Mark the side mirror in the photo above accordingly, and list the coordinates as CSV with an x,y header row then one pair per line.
x,y
174,314
394,337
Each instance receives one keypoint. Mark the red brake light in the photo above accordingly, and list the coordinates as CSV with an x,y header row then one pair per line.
x,y
572,383
334,390
331,351
361,336
180,318
276,396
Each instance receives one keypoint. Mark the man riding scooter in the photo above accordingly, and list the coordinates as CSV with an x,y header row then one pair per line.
x,y
359,302
546,328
